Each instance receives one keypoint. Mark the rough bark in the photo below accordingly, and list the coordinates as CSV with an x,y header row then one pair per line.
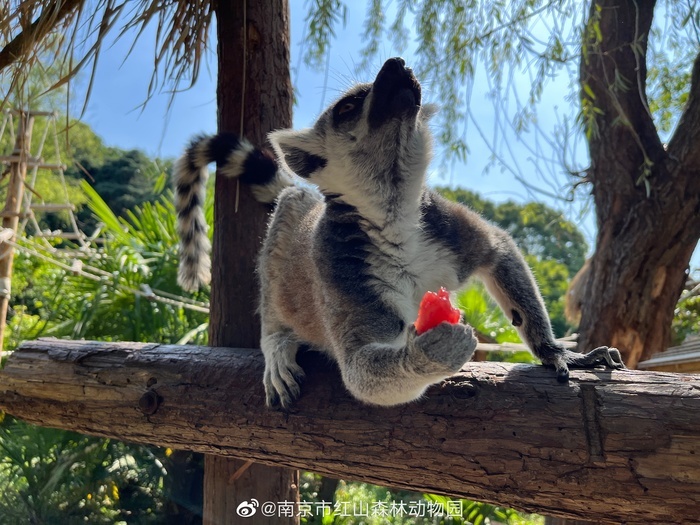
x,y
646,231
565,521
609,446
253,98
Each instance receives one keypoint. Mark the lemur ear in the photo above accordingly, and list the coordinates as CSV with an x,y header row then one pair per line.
x,y
300,151
428,111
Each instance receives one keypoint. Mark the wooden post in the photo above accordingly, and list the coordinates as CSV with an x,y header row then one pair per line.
x,y
254,97
11,212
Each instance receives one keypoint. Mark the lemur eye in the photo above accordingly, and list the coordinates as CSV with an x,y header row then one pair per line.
x,y
345,108
349,108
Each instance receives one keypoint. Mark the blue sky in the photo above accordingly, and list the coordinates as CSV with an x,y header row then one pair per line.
x,y
120,87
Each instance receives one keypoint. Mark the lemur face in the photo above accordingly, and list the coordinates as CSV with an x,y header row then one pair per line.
x,y
395,96
366,136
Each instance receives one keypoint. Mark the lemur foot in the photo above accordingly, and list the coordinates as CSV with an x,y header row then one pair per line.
x,y
282,380
449,345
564,359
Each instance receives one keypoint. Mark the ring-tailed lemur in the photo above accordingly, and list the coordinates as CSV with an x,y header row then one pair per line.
x,y
343,269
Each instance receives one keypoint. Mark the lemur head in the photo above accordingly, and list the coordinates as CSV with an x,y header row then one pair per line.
x,y
373,139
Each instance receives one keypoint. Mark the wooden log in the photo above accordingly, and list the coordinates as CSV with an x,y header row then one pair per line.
x,y
608,446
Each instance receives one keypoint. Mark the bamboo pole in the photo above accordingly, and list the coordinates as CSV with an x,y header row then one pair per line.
x,y
11,212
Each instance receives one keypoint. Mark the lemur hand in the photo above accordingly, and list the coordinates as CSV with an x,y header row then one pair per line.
x,y
562,359
447,345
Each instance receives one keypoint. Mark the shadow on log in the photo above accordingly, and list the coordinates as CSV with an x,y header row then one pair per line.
x,y
609,446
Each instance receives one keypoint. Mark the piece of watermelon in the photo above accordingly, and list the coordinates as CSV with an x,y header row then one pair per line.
x,y
434,309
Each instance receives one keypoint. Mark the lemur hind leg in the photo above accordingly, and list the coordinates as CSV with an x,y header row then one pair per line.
x,y
283,375
382,374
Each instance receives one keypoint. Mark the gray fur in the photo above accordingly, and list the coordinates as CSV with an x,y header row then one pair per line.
x,y
343,269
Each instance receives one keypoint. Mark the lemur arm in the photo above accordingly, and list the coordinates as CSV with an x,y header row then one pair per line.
x,y
483,249
388,374
509,280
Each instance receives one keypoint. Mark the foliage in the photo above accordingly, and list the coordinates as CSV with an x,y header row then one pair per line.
x,y
482,312
372,505
46,140
140,250
321,19
125,179
686,320
670,61
52,476
553,280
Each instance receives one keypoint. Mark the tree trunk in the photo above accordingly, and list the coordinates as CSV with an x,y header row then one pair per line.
x,y
647,196
326,491
254,96
609,446
184,486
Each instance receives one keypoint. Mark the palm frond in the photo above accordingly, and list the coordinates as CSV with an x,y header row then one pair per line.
x,y
68,36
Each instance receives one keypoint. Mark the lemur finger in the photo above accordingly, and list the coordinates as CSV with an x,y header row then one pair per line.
x,y
616,356
286,381
271,398
608,356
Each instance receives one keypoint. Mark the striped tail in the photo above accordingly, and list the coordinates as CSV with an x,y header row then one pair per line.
x,y
236,158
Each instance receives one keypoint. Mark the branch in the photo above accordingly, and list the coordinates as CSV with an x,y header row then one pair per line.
x,y
610,446
613,82
50,17
684,146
